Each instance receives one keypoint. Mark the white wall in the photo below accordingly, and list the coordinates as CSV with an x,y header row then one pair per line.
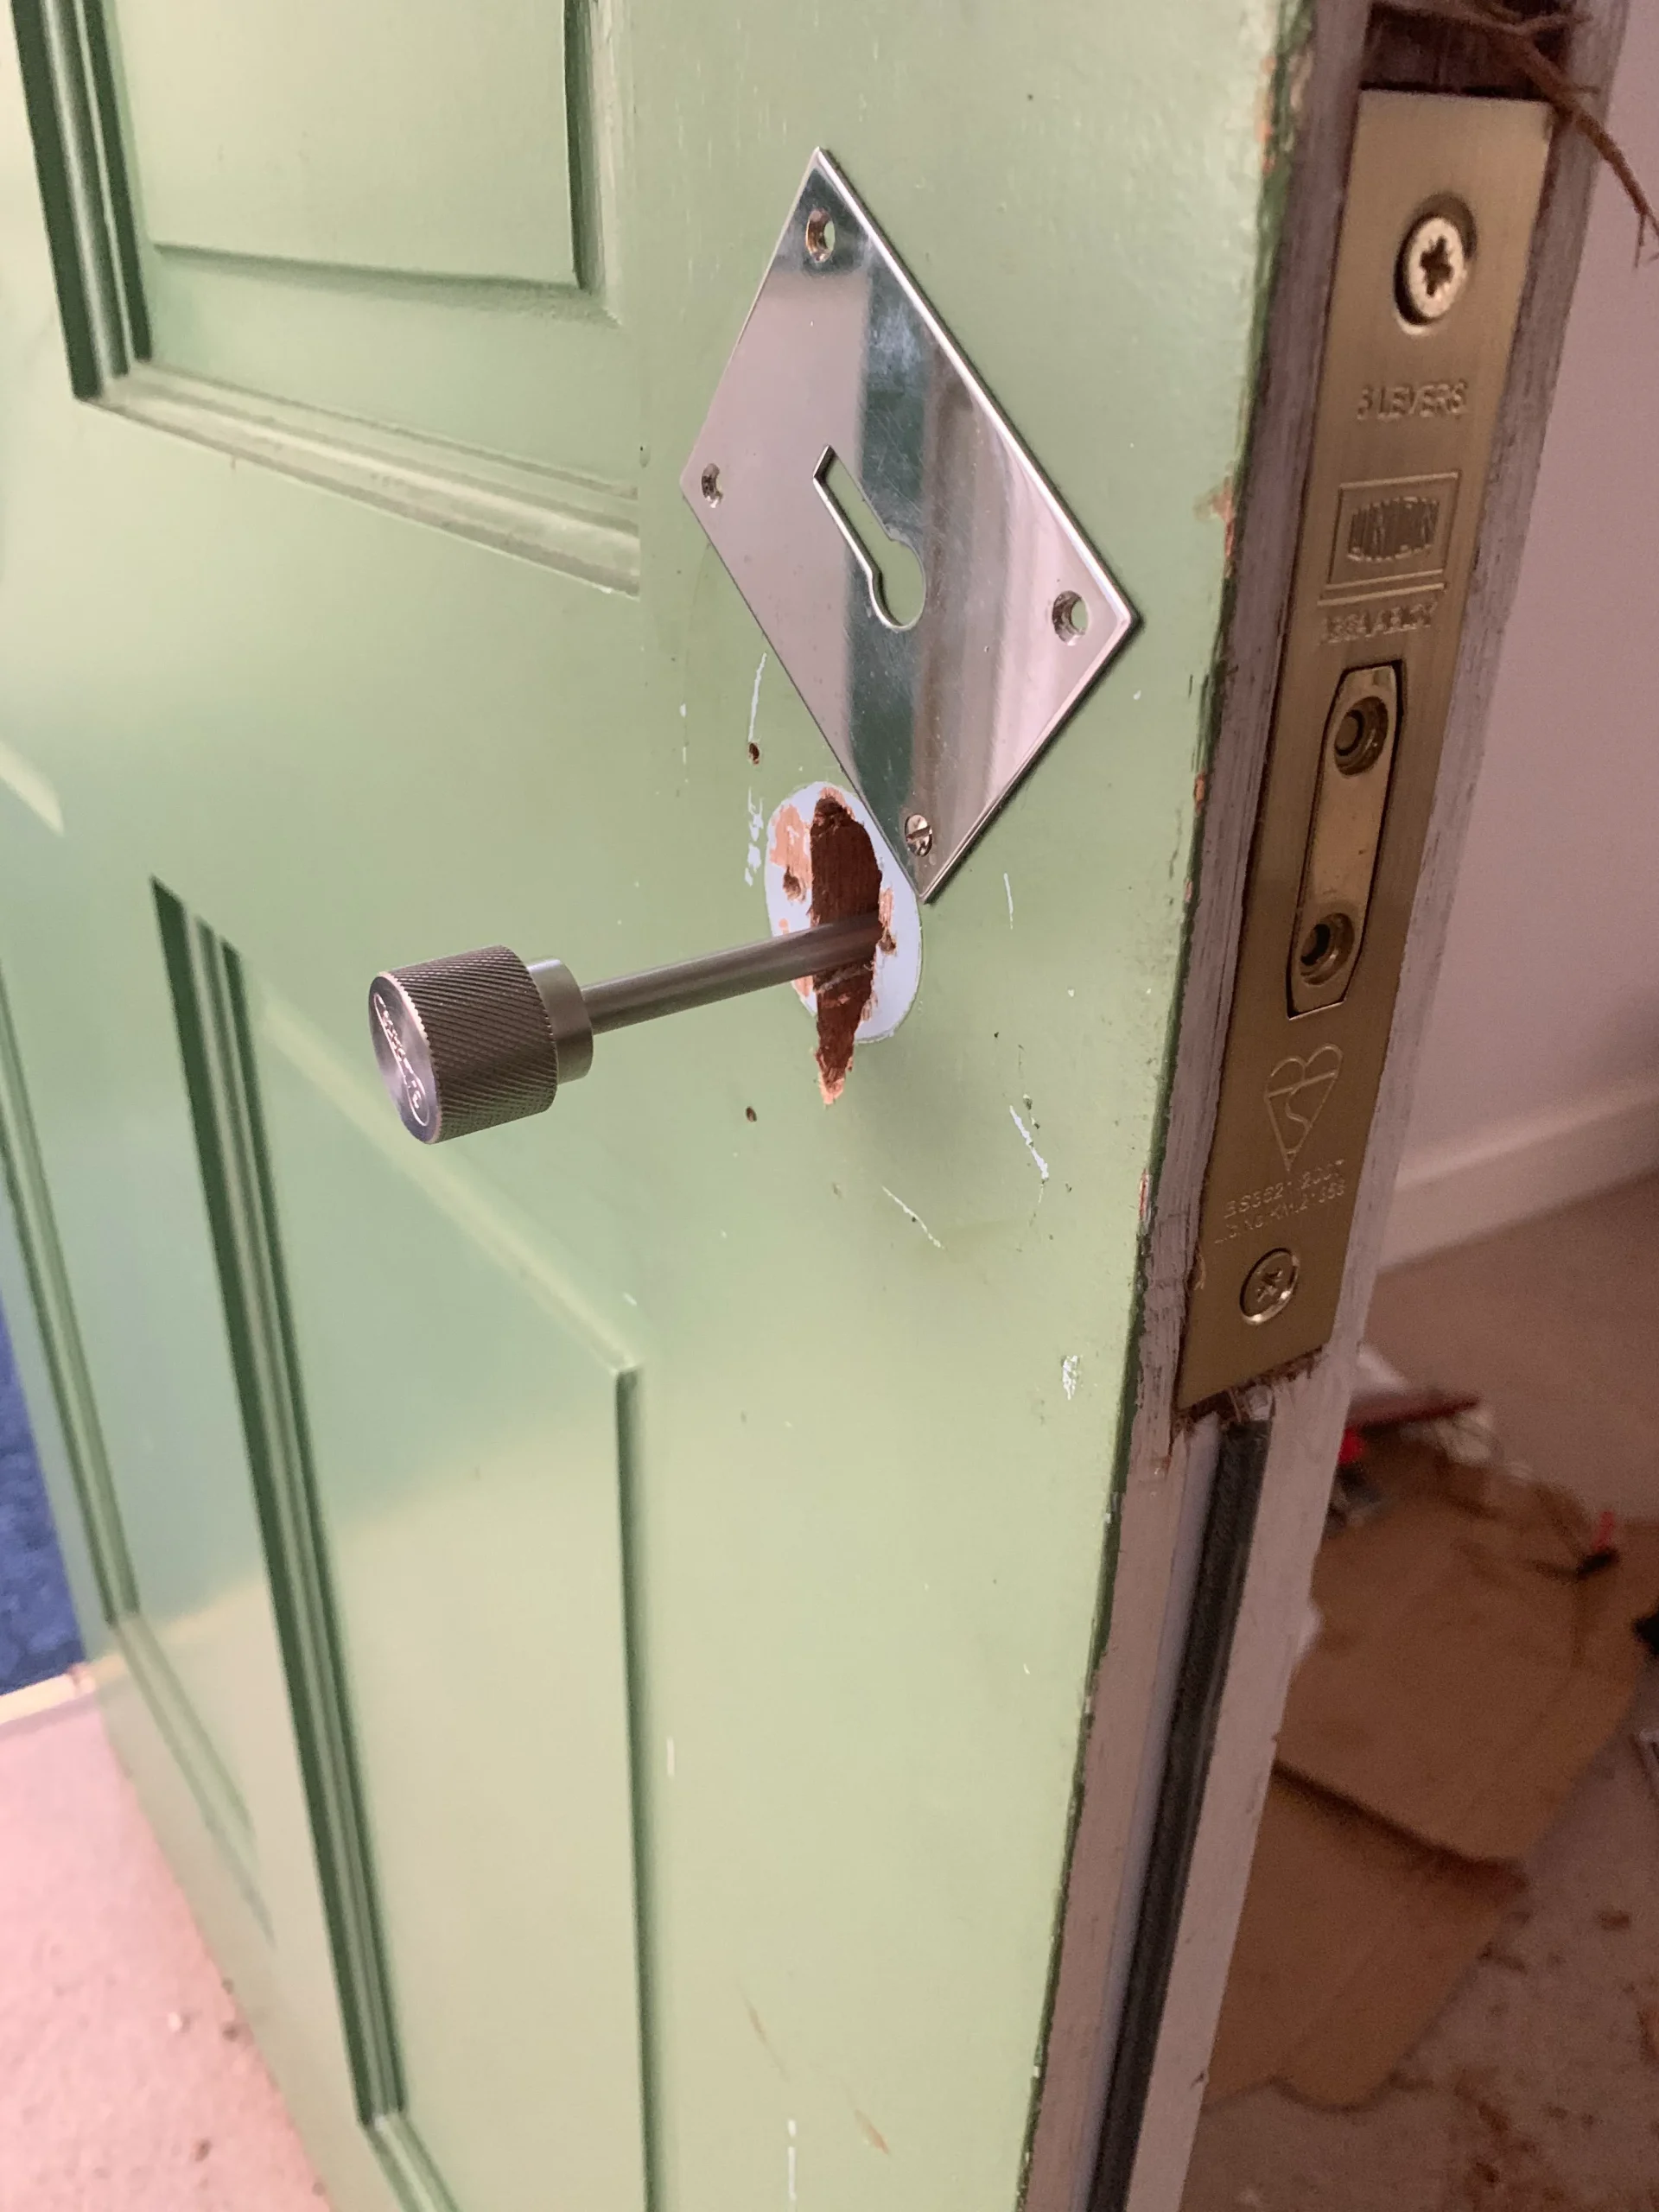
x,y
1540,1077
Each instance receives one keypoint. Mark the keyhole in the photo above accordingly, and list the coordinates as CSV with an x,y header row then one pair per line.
x,y
893,572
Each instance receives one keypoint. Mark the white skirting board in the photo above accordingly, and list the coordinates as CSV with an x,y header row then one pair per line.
x,y
1509,1171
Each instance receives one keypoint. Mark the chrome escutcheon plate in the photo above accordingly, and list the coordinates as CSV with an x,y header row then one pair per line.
x,y
845,418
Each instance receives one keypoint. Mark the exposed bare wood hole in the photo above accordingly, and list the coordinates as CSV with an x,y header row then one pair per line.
x,y
846,881
1500,45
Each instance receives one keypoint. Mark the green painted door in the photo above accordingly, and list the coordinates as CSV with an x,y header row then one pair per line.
x,y
600,1615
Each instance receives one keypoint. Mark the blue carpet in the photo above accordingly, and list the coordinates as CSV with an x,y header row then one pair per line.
x,y
38,1636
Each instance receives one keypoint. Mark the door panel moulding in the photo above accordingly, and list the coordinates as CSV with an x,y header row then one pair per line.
x,y
216,1794
580,523
216,1046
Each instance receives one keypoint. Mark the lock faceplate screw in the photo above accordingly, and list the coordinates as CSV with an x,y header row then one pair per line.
x,y
1270,1286
1433,267
919,834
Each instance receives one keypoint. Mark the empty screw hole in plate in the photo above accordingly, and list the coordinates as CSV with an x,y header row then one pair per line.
x,y
709,482
1327,948
1361,736
1069,615
820,234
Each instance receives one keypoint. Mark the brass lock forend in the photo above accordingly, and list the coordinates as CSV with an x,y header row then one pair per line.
x,y
1442,196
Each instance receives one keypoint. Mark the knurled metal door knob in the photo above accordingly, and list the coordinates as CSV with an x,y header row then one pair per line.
x,y
482,1037
470,1041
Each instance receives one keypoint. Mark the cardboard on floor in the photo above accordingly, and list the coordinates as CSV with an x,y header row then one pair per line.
x,y
1466,1674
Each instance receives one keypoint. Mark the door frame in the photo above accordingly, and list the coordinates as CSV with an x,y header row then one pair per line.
x,y
1131,1766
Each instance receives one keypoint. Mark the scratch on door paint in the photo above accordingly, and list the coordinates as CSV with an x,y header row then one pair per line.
x,y
757,831
871,2133
910,1214
755,696
1069,1375
1008,887
791,2162
1031,1146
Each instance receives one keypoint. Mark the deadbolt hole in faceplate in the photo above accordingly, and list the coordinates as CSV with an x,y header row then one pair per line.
x,y
1360,736
1327,946
1344,836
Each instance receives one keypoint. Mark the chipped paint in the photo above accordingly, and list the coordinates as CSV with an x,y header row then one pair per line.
x,y
789,849
871,2133
910,1214
755,705
1031,1146
1068,1367
756,832
765,2041
1219,503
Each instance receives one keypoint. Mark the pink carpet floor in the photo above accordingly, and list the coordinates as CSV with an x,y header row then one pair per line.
x,y
127,2081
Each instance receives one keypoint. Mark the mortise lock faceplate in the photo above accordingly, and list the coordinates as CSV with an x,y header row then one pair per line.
x,y
1442,195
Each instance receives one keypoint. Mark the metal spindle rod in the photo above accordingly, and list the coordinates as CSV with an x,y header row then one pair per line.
x,y
481,1038
654,991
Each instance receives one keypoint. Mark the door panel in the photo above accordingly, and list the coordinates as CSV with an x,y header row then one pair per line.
x,y
406,217
179,1541
686,1517
494,1747
270,134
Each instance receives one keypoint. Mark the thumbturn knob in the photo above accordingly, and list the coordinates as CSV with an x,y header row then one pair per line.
x,y
480,1037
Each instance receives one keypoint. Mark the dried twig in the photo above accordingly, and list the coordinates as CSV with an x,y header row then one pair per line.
x,y
1519,35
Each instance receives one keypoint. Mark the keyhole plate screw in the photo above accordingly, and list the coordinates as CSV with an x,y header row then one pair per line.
x,y
1270,1284
919,834
1433,269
